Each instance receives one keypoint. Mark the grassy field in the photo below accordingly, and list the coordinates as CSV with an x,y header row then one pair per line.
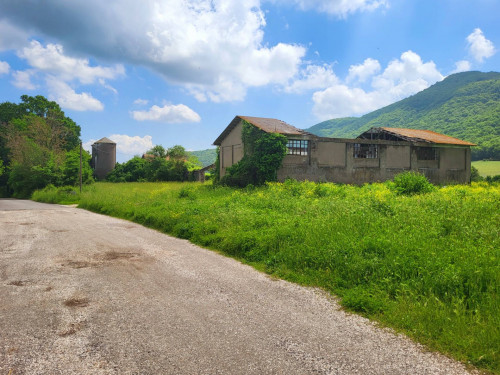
x,y
487,168
427,265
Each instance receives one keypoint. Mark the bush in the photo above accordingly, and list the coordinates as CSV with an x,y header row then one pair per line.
x,y
410,183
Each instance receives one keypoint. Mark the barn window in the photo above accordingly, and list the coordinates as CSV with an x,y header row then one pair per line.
x,y
365,151
427,153
298,147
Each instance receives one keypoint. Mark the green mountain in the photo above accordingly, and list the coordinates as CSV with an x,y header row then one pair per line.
x,y
206,157
464,105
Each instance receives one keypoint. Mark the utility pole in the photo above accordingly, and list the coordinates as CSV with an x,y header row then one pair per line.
x,y
80,174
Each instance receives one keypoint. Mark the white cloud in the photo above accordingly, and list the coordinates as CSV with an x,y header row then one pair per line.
x,y
340,8
11,37
135,145
107,86
140,101
313,77
401,78
4,67
213,48
363,71
66,97
168,113
462,66
51,59
22,80
480,47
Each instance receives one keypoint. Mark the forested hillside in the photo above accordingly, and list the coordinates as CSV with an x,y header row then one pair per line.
x,y
206,157
464,105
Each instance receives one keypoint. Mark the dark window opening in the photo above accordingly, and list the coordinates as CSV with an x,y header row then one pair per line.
x,y
365,151
427,153
297,147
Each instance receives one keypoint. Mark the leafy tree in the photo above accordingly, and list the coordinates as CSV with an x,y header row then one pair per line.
x,y
158,151
71,168
177,152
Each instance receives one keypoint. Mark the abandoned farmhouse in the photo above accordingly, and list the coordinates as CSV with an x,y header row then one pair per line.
x,y
375,155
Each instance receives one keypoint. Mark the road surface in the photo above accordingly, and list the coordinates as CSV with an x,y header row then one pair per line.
x,y
83,293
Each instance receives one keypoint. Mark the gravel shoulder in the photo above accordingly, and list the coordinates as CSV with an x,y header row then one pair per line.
x,y
83,293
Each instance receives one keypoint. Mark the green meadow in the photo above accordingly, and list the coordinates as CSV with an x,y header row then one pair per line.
x,y
427,265
487,167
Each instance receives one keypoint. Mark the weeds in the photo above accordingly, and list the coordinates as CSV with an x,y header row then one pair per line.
x,y
426,264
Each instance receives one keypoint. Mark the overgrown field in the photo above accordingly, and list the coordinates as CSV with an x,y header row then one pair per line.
x,y
487,168
427,265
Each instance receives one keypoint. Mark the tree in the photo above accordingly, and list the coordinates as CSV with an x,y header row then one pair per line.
x,y
177,152
158,151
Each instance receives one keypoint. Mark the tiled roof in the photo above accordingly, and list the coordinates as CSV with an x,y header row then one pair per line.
x,y
104,140
269,125
429,136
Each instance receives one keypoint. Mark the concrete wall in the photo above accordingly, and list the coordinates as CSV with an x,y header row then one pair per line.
x,y
333,160
103,159
231,149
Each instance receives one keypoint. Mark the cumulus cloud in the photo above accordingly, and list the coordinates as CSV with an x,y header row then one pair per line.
x,y
480,47
363,71
214,48
51,59
340,8
66,97
462,66
4,67
313,77
168,113
401,78
134,145
22,80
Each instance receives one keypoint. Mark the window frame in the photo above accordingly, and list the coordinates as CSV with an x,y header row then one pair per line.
x,y
298,147
427,153
365,151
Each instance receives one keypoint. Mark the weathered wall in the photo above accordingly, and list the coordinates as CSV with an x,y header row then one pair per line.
x,y
231,149
103,159
333,160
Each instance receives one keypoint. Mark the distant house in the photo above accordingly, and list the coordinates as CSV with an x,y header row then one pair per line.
x,y
375,155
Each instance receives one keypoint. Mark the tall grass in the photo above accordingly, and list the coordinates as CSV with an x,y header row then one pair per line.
x,y
426,264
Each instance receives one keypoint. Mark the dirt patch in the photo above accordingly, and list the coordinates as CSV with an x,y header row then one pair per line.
x,y
18,283
114,255
71,330
77,302
77,264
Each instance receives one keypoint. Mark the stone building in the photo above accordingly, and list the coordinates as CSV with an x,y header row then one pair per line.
x,y
375,155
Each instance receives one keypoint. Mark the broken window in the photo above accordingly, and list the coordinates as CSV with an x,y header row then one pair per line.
x,y
427,153
365,151
298,147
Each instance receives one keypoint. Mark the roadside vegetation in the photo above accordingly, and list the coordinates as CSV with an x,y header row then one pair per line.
x,y
421,259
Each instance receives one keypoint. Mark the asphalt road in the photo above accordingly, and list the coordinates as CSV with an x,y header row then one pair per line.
x,y
83,293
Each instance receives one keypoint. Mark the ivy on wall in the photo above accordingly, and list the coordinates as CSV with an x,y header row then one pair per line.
x,y
262,157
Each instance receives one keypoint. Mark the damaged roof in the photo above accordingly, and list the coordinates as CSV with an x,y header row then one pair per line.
x,y
269,125
416,135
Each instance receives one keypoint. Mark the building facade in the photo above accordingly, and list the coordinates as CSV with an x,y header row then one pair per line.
x,y
103,157
376,155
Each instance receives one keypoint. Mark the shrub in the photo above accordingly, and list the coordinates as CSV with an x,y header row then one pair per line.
x,y
410,183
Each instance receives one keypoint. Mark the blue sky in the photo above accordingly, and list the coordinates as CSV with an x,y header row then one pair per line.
x,y
177,71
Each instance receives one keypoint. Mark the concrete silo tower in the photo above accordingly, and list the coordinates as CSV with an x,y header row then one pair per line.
x,y
103,157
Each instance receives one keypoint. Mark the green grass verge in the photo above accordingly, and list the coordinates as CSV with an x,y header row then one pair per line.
x,y
487,168
427,265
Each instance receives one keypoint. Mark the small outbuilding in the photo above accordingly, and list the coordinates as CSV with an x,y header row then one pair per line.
x,y
103,157
377,154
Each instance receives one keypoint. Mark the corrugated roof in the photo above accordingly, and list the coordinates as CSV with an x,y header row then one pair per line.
x,y
104,140
417,135
269,125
